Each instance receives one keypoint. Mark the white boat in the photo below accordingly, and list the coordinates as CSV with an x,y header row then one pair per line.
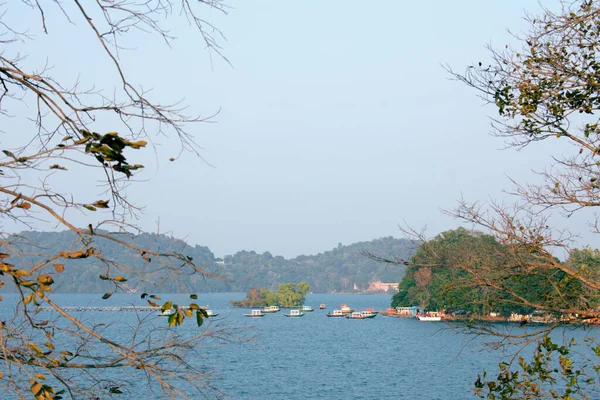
x,y
295,314
167,312
307,309
271,309
355,315
255,313
336,313
423,318
210,313
429,318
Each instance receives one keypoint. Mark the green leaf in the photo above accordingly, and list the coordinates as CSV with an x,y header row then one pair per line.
x,y
193,296
106,295
172,319
199,318
168,305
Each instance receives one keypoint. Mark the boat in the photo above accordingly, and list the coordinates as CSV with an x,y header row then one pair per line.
x,y
166,313
307,309
255,313
295,314
429,316
211,313
370,313
346,310
322,306
271,309
336,313
426,318
355,315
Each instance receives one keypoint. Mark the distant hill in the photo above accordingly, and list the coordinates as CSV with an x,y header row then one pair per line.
x,y
342,269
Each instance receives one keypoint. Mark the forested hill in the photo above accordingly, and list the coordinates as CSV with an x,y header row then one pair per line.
x,y
336,270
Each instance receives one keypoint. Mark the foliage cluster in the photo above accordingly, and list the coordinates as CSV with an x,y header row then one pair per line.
x,y
472,272
287,295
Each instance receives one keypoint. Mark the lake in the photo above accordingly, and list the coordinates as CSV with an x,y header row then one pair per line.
x,y
316,357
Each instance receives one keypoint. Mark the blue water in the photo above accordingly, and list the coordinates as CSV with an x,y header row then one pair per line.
x,y
316,357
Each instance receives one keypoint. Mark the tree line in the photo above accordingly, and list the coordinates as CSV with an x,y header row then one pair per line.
x,y
336,270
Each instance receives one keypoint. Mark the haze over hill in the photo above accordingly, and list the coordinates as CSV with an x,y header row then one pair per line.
x,y
342,269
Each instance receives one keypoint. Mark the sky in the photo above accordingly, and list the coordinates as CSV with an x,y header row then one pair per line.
x,y
336,121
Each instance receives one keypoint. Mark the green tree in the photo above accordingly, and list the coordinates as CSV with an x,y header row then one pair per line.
x,y
54,125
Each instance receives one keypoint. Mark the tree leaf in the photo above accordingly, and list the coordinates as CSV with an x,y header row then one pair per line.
x,y
45,279
101,204
189,312
172,319
193,296
36,387
107,295
59,267
119,278
24,205
199,318
34,347
168,305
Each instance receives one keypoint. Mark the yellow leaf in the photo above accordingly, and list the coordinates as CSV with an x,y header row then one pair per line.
x,y
189,312
35,348
119,278
45,279
27,299
59,267
40,377
49,345
138,144
36,388
45,288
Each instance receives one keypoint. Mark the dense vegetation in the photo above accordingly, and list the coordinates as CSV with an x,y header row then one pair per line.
x,y
472,272
337,270
287,295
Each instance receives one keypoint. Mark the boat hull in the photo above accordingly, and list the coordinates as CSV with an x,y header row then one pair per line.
x,y
429,319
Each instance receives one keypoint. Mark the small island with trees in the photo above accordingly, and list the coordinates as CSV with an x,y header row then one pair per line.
x,y
288,295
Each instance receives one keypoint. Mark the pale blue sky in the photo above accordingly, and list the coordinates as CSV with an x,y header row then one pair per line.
x,y
337,122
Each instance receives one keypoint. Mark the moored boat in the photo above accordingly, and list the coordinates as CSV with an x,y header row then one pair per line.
x,y
294,314
430,319
346,310
355,315
322,306
211,313
255,313
336,313
307,309
271,309
429,316
370,313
